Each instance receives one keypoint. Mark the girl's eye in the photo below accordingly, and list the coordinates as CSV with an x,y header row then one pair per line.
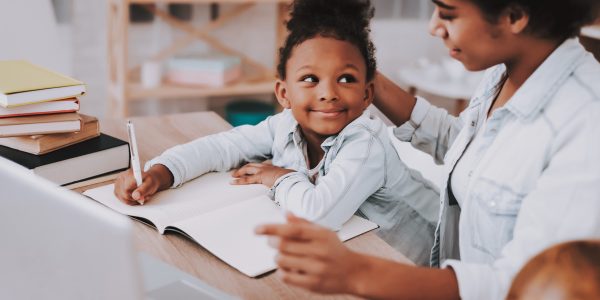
x,y
445,17
347,79
309,78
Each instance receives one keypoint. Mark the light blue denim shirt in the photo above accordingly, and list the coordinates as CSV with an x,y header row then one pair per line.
x,y
360,170
538,180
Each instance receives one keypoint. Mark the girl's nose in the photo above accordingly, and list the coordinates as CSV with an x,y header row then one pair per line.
x,y
328,91
436,27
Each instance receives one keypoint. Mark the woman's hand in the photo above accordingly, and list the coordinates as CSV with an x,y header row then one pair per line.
x,y
261,173
156,179
313,257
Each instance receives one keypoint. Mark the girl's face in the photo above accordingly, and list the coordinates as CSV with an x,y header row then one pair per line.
x,y
469,37
325,85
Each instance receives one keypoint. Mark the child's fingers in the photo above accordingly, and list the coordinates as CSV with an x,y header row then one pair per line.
x,y
245,180
247,169
124,186
145,190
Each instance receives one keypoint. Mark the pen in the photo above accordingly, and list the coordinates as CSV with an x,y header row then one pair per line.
x,y
135,160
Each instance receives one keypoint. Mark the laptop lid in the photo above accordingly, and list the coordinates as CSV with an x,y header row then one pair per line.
x,y
56,244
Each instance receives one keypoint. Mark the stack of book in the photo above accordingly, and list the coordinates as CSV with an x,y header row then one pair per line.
x,y
211,71
41,129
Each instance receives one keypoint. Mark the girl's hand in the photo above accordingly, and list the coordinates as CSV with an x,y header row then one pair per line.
x,y
261,173
156,179
313,257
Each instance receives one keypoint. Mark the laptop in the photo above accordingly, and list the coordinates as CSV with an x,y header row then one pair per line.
x,y
57,244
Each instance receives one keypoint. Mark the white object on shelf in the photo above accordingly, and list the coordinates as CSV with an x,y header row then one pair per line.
x,y
151,74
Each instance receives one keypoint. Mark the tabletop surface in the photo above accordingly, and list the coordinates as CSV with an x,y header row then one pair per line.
x,y
156,134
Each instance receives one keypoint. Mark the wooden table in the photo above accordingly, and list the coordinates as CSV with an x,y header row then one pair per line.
x,y
154,135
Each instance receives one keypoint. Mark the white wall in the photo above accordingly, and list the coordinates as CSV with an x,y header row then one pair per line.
x,y
402,42
28,30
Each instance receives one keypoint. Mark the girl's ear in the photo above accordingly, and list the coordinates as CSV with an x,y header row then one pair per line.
x,y
281,93
518,19
369,93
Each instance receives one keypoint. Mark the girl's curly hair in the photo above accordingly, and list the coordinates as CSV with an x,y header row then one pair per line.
x,y
346,20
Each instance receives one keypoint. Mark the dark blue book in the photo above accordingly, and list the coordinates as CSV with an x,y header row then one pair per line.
x,y
83,161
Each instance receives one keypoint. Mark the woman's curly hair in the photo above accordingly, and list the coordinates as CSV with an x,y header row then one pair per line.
x,y
346,20
552,19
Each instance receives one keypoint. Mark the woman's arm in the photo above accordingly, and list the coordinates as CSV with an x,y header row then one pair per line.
x,y
313,257
392,101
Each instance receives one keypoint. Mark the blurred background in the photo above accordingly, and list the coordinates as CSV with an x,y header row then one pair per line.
x,y
143,57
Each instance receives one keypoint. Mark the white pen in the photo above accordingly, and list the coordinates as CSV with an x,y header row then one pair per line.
x,y
135,159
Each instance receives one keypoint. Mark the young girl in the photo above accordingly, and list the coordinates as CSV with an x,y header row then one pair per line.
x,y
328,154
566,271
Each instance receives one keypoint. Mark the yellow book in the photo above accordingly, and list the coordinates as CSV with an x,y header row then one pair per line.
x,y
24,83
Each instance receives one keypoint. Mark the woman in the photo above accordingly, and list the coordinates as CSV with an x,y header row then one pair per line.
x,y
522,160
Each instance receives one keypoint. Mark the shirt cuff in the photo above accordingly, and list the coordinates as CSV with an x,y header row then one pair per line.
x,y
273,190
177,180
419,112
476,281
405,131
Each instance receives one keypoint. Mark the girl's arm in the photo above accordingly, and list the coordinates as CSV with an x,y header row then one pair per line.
x,y
356,172
313,257
219,152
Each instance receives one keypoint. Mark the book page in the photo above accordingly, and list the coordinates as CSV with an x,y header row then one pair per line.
x,y
228,233
220,217
206,193
105,195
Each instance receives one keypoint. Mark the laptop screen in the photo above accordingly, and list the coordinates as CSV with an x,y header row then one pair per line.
x,y
56,244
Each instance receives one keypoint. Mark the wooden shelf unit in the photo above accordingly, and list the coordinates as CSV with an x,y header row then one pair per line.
x,y
124,85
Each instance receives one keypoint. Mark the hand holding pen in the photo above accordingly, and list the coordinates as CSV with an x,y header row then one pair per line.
x,y
135,162
135,187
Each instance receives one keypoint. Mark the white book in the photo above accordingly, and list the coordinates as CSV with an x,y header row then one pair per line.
x,y
49,107
42,124
220,217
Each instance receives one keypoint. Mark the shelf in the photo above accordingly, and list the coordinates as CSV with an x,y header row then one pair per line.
x,y
138,92
124,84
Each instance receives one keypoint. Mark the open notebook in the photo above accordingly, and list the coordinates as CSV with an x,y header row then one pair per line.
x,y
219,216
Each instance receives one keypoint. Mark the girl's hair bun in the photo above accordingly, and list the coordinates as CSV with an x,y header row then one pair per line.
x,y
346,20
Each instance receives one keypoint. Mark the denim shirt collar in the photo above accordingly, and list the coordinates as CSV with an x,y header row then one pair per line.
x,y
294,134
538,89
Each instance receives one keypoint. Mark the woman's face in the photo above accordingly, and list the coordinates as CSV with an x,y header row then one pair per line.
x,y
470,38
